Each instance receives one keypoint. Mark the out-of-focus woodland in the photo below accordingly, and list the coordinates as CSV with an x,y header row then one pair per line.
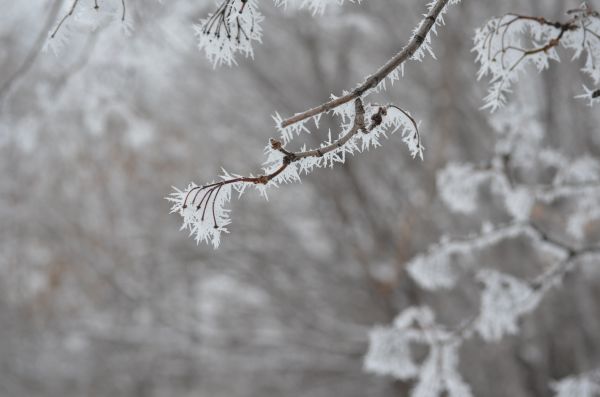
x,y
102,295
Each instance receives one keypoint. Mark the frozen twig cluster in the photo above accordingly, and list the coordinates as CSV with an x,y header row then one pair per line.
x,y
362,127
506,45
202,207
505,298
95,14
235,26
230,29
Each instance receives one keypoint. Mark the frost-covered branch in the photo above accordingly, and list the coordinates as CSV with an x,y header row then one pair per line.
x,y
96,15
420,37
288,158
506,45
72,10
504,299
230,29
202,206
223,34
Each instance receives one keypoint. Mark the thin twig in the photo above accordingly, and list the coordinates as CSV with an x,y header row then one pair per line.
x,y
64,18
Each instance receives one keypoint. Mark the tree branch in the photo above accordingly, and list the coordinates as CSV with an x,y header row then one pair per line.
x,y
289,157
72,10
502,53
373,80
210,198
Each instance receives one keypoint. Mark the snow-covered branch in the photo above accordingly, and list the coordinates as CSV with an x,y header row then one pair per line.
x,y
91,16
202,206
72,9
230,29
504,298
419,43
506,45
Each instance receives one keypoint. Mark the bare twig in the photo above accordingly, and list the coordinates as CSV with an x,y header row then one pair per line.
x,y
64,18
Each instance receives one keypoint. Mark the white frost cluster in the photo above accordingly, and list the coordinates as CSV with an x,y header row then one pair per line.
x,y
519,133
584,170
436,269
198,216
439,374
389,347
585,385
591,95
585,42
230,30
519,138
458,186
588,210
506,46
236,24
579,180
575,178
390,354
203,207
504,299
